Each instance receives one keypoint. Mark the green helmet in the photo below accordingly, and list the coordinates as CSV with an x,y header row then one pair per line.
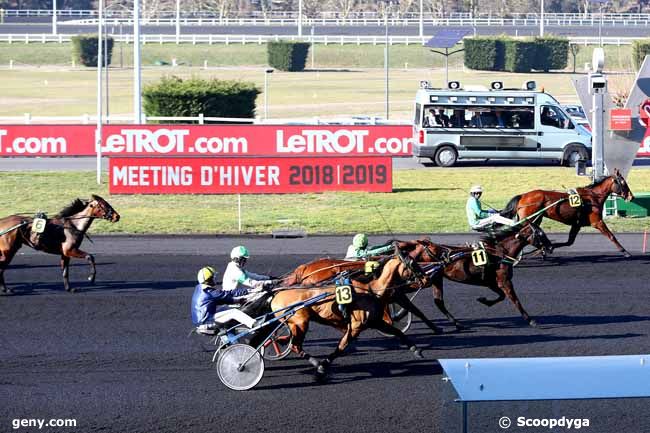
x,y
205,274
239,252
360,241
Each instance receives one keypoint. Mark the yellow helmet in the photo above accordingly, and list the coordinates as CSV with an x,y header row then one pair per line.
x,y
205,274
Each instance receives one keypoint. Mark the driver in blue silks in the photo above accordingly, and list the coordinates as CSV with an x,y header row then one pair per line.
x,y
212,306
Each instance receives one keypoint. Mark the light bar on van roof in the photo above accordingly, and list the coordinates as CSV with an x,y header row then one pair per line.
x,y
454,85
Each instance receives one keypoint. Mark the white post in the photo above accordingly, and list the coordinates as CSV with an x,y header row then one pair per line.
x,y
98,130
137,106
239,212
300,18
598,88
54,17
386,61
313,48
178,21
421,18
266,95
600,27
541,19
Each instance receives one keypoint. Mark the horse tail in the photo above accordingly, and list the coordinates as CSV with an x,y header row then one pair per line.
x,y
510,211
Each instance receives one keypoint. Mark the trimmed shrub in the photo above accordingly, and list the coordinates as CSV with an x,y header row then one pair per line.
x,y
287,55
173,96
84,50
520,55
640,49
552,53
484,53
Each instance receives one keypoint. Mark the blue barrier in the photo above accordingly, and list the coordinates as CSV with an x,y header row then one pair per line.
x,y
523,379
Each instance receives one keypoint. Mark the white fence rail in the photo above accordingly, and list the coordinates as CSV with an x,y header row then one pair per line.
x,y
261,39
87,119
376,22
334,15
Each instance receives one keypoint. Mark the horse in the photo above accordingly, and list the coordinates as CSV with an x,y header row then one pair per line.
x,y
61,235
558,207
366,310
324,270
501,247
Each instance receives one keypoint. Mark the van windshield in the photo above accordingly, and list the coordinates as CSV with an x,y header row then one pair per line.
x,y
459,116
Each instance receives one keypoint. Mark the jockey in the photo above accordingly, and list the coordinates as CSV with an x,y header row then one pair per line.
x,y
211,305
478,218
359,248
236,277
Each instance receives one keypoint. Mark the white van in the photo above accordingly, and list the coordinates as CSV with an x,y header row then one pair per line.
x,y
452,124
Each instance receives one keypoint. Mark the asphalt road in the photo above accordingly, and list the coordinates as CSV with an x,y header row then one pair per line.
x,y
586,31
116,356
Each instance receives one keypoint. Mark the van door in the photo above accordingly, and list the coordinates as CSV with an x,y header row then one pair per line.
x,y
555,131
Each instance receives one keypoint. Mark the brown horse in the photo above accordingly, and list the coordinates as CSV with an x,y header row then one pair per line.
x,y
588,213
502,247
366,309
324,270
62,235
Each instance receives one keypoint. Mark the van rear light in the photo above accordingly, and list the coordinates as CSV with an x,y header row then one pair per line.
x,y
421,137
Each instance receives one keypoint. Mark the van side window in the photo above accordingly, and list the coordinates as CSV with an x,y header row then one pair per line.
x,y
435,117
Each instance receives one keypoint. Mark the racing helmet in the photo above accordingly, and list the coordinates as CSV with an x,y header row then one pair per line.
x,y
239,252
360,240
476,189
205,274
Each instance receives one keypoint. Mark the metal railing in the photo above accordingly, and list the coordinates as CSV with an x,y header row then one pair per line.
x,y
261,39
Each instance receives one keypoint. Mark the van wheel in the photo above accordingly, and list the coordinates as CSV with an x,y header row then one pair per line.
x,y
446,156
573,154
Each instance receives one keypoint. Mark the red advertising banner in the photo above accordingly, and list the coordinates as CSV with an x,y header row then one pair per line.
x,y
257,140
47,140
207,140
620,119
248,175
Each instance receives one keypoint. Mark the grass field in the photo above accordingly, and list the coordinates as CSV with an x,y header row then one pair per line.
x,y
423,201
618,58
71,92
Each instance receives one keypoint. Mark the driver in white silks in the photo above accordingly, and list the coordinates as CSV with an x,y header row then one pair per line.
x,y
478,218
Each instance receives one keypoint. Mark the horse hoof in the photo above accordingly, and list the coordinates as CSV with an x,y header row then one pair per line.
x,y
313,361
72,290
626,254
483,301
532,323
7,292
91,279
417,352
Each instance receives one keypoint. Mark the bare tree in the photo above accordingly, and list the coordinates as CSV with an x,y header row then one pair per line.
x,y
343,7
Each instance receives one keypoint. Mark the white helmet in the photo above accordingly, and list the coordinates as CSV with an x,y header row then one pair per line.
x,y
239,252
476,189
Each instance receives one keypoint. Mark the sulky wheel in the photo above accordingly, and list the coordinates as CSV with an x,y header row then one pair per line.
x,y
278,345
240,367
401,318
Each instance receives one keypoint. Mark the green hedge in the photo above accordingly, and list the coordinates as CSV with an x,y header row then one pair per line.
x,y
173,96
84,50
484,53
287,55
519,55
640,49
516,55
552,53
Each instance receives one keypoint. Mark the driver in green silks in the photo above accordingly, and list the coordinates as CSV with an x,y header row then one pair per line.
x,y
359,248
